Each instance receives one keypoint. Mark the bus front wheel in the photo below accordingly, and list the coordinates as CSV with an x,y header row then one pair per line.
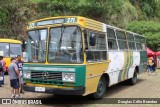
x,y
101,89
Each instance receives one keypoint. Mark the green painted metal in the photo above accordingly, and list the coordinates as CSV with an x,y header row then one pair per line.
x,y
80,73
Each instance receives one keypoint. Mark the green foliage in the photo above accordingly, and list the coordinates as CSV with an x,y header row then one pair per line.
x,y
101,10
36,1
113,12
105,9
15,14
56,8
150,29
149,8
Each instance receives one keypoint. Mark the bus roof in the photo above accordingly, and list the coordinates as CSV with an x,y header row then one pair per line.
x,y
9,41
83,21
87,23
54,18
113,27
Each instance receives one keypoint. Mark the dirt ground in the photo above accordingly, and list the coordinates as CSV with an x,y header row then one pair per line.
x,y
146,87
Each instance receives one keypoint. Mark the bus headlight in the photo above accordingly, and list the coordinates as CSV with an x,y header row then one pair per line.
x,y
27,75
68,77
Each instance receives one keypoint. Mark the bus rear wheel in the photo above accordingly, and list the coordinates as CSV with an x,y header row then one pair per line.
x,y
101,89
133,80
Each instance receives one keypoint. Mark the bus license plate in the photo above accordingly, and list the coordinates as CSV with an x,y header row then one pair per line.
x,y
40,89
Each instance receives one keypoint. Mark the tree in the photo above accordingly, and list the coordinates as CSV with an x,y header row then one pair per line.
x,y
49,8
149,7
150,29
15,15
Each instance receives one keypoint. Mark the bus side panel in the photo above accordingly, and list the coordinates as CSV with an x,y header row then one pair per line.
x,y
136,62
122,65
93,74
116,65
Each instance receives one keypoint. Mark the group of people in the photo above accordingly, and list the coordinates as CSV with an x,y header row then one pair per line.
x,y
15,75
151,66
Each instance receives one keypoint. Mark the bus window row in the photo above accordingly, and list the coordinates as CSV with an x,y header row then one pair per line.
x,y
95,43
124,40
10,49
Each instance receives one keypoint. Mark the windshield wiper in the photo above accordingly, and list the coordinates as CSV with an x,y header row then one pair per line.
x,y
60,41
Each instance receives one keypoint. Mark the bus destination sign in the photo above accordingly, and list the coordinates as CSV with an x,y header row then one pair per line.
x,y
52,21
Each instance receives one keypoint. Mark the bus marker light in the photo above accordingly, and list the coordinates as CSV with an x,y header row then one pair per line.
x,y
81,20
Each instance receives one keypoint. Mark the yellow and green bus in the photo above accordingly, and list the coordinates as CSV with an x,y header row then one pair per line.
x,y
74,55
10,48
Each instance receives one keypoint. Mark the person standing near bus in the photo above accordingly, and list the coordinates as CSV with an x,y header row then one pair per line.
x,y
0,78
3,63
1,70
14,78
153,66
150,64
19,64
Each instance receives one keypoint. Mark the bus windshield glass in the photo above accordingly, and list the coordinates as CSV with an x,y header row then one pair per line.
x,y
65,45
4,49
36,45
10,49
15,49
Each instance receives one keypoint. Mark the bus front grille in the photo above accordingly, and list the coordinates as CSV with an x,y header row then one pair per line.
x,y
51,76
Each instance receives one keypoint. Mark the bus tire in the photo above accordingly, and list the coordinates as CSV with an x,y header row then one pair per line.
x,y
101,89
133,80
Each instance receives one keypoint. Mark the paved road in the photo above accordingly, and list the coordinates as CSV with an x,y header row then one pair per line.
x,y
146,87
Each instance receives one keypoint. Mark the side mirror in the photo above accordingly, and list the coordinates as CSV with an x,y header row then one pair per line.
x,y
92,40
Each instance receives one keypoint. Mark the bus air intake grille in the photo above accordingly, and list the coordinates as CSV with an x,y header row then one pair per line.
x,y
51,76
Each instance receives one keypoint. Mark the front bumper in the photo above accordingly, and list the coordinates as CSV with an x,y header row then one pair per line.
x,y
64,91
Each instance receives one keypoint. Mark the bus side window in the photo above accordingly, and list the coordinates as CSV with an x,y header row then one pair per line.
x,y
122,41
112,43
131,42
95,46
92,40
138,42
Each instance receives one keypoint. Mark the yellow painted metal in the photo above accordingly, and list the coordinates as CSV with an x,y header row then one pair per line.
x,y
48,85
93,74
124,66
7,60
129,63
9,41
94,25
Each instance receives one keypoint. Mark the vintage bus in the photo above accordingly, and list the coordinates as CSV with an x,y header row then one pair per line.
x,y
74,55
10,48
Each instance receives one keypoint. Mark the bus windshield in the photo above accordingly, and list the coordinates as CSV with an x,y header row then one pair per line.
x,y
10,49
15,49
4,49
36,45
65,45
